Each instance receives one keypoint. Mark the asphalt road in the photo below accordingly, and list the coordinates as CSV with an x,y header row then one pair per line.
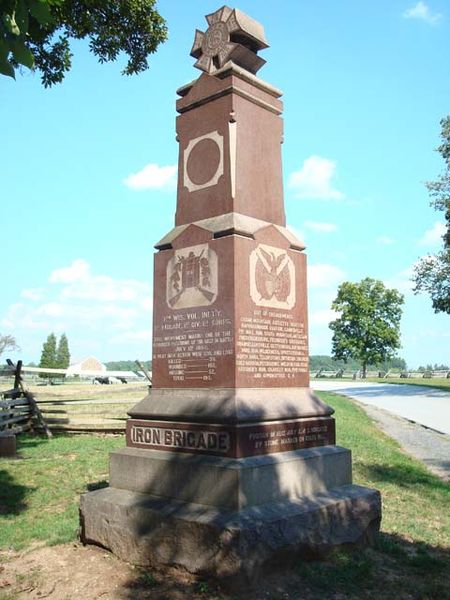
x,y
420,404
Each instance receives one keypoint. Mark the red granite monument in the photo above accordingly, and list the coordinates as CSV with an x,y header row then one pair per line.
x,y
230,461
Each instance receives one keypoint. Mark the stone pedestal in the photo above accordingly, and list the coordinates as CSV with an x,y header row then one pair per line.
x,y
231,460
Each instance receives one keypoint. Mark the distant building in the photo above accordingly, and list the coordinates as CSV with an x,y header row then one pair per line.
x,y
88,364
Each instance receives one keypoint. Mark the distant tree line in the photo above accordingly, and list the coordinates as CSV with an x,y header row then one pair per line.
x,y
54,355
127,365
435,367
322,361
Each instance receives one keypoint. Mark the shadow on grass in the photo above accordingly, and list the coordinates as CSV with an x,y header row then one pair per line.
x,y
404,476
394,567
28,440
12,495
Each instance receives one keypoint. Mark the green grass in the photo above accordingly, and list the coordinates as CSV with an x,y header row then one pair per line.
x,y
40,491
415,502
39,499
412,556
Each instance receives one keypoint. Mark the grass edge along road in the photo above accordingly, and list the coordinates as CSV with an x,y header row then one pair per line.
x,y
39,497
437,383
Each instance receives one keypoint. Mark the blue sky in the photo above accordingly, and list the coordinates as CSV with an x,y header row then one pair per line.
x,y
88,171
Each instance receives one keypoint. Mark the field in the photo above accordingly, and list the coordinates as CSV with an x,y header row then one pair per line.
x,y
86,407
39,495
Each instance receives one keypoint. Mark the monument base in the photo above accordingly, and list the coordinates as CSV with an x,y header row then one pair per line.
x,y
228,517
233,546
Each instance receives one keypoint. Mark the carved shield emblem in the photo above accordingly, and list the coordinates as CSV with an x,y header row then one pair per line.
x,y
272,277
192,277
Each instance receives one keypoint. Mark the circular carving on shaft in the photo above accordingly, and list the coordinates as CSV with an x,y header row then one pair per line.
x,y
203,161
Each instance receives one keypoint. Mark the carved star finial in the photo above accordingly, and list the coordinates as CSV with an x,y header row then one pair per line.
x,y
231,35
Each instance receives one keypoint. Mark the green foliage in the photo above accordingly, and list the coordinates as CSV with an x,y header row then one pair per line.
x,y
368,328
328,363
127,365
432,273
37,33
7,342
48,356
435,367
62,353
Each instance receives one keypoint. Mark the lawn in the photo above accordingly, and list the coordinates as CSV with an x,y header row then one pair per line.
x,y
39,496
441,383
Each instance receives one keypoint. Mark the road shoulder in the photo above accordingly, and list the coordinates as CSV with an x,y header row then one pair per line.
x,y
427,445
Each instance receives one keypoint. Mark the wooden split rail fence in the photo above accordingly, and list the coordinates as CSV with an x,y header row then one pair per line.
x,y
19,411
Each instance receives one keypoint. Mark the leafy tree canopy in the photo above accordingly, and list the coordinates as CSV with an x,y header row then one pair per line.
x,y
37,34
432,273
7,342
62,353
48,356
368,328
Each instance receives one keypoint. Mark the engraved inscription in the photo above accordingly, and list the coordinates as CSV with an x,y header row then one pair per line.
x,y
287,436
272,277
271,345
191,343
180,439
232,441
192,277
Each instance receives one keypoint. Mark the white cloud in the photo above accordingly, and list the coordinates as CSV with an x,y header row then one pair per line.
x,y
77,271
152,177
323,316
80,300
402,281
313,180
298,234
133,336
102,288
422,12
433,236
385,240
321,227
21,316
33,293
324,276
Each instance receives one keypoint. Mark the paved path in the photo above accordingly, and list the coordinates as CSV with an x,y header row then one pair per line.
x,y
401,413
427,406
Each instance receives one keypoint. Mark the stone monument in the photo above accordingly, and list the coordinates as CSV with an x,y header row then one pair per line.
x,y
230,461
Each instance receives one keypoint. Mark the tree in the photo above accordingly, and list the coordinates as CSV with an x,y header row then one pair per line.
x,y
48,355
368,328
62,353
37,34
7,342
432,273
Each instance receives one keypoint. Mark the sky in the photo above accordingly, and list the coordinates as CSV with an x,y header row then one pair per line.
x,y
88,171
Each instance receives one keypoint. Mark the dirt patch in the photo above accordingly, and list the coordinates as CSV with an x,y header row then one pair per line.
x,y
73,571
76,572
